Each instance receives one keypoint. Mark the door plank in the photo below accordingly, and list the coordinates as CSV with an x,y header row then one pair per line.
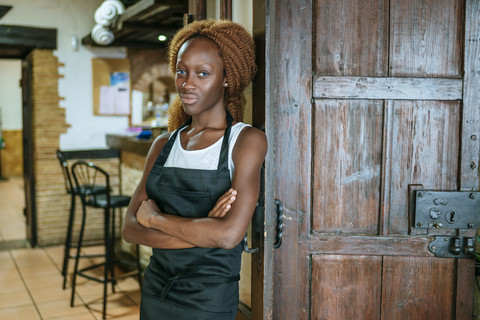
x,y
349,287
469,173
465,288
426,38
425,150
370,245
387,88
418,288
289,110
351,38
346,168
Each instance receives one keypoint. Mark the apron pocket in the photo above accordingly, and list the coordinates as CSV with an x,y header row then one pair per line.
x,y
185,203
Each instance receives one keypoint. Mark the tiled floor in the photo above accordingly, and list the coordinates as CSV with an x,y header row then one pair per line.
x,y
31,289
31,282
12,220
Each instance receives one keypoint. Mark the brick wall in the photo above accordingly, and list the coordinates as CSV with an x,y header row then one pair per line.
x,y
52,201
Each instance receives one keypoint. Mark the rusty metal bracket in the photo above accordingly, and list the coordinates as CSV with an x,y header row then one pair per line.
x,y
453,247
447,209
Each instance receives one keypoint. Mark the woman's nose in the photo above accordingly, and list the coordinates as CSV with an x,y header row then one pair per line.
x,y
188,83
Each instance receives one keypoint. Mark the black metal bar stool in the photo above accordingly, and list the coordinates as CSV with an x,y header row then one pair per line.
x,y
87,176
73,192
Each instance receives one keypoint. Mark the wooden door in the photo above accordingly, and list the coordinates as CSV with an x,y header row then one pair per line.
x,y
367,101
28,174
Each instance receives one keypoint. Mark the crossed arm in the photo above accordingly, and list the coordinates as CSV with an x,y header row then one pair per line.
x,y
225,225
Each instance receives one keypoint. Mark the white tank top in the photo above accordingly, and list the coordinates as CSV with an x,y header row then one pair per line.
x,y
204,159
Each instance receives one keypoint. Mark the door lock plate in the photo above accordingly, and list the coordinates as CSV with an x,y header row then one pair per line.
x,y
447,209
452,247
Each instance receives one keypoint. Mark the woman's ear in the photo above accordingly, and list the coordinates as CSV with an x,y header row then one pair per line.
x,y
225,81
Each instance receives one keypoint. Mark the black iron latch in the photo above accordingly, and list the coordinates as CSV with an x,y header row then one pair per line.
x,y
447,209
452,247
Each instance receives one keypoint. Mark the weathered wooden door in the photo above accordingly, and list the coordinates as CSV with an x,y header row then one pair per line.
x,y
368,101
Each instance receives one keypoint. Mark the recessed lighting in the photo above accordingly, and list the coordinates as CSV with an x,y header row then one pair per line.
x,y
162,38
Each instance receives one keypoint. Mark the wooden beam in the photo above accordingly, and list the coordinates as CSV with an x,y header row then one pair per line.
x,y
146,8
370,245
226,9
198,8
390,88
88,41
149,28
39,38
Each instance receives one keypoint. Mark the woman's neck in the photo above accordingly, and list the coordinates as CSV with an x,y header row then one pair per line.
x,y
209,120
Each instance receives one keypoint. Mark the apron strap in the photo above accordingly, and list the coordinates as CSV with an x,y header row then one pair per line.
x,y
223,161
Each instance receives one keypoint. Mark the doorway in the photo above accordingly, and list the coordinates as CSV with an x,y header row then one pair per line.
x,y
12,195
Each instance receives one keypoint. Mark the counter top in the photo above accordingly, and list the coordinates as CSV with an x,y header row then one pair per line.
x,y
128,143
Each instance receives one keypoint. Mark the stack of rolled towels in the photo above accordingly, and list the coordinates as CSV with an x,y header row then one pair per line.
x,y
105,17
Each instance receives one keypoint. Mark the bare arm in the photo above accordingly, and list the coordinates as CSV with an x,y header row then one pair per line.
x,y
225,232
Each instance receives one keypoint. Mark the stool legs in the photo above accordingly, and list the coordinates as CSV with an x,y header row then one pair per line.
x,y
108,254
68,241
77,257
112,250
109,265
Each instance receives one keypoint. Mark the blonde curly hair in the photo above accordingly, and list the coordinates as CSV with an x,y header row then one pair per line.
x,y
237,50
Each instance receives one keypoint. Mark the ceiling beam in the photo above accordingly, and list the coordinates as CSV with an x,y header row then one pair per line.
x,y
21,36
88,41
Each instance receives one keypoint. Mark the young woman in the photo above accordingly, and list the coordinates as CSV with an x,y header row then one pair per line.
x,y
201,182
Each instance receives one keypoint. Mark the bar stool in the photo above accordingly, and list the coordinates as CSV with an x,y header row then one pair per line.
x,y
87,176
73,192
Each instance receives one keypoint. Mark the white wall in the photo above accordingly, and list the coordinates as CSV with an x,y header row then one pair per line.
x,y
11,94
71,17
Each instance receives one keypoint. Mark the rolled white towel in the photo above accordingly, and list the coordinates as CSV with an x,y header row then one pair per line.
x,y
101,35
107,12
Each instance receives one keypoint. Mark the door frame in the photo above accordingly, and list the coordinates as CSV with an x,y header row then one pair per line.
x,y
18,42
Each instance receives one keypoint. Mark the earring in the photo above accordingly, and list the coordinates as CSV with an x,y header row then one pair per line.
x,y
225,84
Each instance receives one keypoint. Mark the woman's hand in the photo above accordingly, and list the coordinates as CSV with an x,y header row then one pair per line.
x,y
224,203
148,209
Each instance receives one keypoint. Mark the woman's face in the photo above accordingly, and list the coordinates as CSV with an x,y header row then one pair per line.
x,y
199,76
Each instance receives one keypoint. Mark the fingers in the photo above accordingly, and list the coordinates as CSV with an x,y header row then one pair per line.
x,y
224,203
227,198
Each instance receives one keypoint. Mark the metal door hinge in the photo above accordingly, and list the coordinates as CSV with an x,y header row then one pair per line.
x,y
447,209
453,247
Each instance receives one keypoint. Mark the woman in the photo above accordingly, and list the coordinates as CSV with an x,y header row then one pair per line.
x,y
200,183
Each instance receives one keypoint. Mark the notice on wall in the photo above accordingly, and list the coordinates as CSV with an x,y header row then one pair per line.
x,y
115,98
111,86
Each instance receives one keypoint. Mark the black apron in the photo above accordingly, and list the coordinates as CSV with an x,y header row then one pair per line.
x,y
194,283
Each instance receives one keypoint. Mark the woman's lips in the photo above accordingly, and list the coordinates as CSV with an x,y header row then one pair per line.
x,y
188,98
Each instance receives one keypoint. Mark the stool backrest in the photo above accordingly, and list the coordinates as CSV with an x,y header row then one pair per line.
x,y
91,182
66,172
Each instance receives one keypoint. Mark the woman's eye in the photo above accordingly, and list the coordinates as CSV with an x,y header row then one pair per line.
x,y
203,74
180,72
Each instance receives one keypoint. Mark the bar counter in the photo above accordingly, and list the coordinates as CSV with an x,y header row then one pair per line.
x,y
129,144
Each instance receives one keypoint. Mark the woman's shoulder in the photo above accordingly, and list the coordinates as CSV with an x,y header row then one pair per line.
x,y
158,144
161,140
251,137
